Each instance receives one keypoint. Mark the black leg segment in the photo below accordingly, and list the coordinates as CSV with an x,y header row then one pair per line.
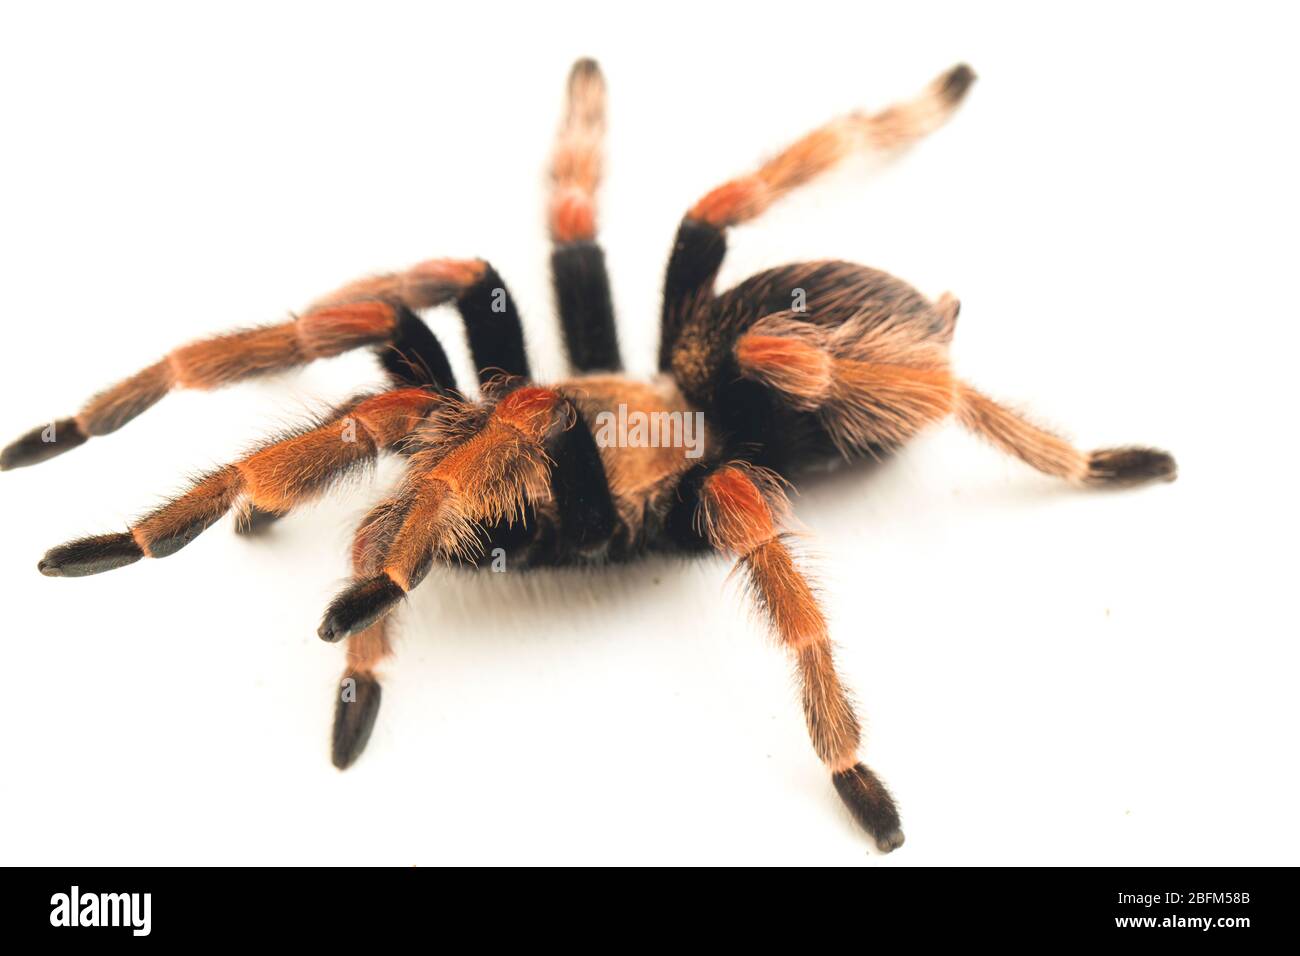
x,y
696,257
586,308
496,337
415,357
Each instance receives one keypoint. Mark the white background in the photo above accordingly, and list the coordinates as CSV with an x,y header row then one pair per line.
x,y
1049,676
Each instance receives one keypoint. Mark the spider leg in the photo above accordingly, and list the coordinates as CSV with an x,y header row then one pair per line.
x,y
1014,434
479,468
415,358
872,384
701,241
740,511
490,316
359,689
880,387
577,261
377,311
272,479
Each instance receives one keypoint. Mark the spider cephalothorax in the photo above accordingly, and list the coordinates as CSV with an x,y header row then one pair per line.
x,y
795,367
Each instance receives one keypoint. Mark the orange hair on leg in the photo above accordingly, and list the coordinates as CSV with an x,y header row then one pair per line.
x,y
746,197
1015,435
285,473
359,314
800,370
422,286
270,481
367,648
869,386
168,529
1053,455
740,509
473,472
576,160
224,359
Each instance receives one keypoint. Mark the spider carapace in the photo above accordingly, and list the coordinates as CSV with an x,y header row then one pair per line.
x,y
795,367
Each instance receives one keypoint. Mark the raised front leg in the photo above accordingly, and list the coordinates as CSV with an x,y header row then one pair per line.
x,y
701,240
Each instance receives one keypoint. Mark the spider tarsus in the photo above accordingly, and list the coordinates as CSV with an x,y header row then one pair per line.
x,y
42,443
255,521
358,607
890,842
90,556
871,805
354,717
956,82
1123,467
584,67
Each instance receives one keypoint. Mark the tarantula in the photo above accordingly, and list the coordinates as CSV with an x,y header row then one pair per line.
x,y
795,367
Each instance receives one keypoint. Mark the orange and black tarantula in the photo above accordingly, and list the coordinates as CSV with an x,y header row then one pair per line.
x,y
796,367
